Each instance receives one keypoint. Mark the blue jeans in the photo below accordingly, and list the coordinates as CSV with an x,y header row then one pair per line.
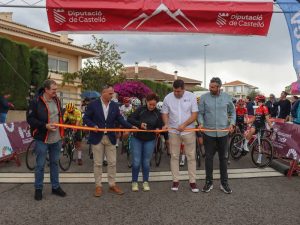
x,y
41,151
141,154
3,117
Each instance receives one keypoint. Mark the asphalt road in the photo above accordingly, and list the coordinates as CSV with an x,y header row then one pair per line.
x,y
268,200
253,201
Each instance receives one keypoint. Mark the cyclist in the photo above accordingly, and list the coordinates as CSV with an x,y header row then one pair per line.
x,y
261,116
241,115
165,134
126,108
135,102
73,116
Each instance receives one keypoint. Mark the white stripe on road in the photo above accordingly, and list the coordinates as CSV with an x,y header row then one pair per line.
x,y
126,177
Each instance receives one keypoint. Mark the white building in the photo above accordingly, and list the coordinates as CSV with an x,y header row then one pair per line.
x,y
238,89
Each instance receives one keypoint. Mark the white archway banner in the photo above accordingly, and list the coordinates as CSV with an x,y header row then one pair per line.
x,y
233,17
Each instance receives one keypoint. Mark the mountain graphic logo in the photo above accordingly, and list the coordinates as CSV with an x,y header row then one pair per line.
x,y
222,19
58,17
161,8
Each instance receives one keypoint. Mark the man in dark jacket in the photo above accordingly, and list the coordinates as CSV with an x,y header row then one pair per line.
x,y
104,113
249,105
284,106
272,105
4,107
43,111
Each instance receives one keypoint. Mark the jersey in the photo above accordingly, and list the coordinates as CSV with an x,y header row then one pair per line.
x,y
240,114
260,116
72,118
126,111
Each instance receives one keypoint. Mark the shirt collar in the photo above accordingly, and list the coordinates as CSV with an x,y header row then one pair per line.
x,y
103,102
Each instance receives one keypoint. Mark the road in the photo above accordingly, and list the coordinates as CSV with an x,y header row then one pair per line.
x,y
259,197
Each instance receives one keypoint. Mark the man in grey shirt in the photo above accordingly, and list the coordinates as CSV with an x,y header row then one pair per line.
x,y
45,110
216,112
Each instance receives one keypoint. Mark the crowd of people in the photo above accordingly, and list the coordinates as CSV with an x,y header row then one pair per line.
x,y
214,113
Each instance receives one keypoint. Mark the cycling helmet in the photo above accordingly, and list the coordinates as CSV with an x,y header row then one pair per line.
x,y
241,101
135,102
70,107
260,98
126,100
159,105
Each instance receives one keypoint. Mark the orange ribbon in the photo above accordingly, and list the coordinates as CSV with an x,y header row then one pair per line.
x,y
130,130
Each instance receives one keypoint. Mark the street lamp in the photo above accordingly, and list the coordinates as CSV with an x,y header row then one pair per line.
x,y
205,64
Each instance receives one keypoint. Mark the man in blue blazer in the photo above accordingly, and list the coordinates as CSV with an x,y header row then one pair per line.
x,y
104,113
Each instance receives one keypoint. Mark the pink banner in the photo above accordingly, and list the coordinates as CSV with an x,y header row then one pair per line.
x,y
286,140
15,136
234,17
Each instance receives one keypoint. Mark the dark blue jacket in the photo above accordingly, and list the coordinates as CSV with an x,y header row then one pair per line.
x,y
94,116
4,106
37,116
250,109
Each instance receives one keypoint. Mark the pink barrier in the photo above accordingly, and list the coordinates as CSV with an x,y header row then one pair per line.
x,y
14,138
285,140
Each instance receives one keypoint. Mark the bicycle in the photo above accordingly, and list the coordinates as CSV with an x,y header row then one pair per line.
x,y
198,154
160,146
66,156
126,147
67,151
261,148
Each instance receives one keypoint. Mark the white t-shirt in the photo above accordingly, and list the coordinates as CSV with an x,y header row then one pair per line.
x,y
180,109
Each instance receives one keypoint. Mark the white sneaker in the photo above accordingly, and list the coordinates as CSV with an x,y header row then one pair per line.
x,y
246,147
259,159
181,163
134,187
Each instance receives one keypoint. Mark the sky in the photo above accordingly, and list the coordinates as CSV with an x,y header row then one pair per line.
x,y
264,62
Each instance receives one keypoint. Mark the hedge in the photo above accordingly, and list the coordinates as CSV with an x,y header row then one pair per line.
x,y
20,68
160,89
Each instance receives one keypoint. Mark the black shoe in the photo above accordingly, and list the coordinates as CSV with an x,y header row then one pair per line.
x,y
208,186
38,195
59,192
225,188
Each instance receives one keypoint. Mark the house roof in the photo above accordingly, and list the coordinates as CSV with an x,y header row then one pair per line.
x,y
238,83
150,73
24,33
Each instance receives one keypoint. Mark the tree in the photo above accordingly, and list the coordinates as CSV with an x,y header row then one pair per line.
x,y
105,68
132,89
253,94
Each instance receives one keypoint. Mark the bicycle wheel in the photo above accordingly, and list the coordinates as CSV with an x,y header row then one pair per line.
x,y
262,155
158,151
236,146
30,156
66,157
198,154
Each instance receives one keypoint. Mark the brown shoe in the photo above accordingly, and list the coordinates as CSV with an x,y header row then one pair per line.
x,y
79,162
98,191
115,189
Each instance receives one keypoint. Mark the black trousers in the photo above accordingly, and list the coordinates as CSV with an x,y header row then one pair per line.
x,y
213,145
